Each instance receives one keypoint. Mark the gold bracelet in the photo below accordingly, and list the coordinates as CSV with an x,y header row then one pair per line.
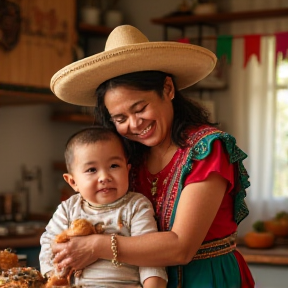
x,y
114,249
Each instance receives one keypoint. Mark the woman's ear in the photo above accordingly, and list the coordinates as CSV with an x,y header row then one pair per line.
x,y
169,89
129,167
70,180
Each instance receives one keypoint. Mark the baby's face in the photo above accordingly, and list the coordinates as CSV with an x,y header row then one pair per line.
x,y
100,171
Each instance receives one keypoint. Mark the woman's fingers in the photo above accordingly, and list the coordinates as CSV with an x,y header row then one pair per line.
x,y
66,262
60,256
75,253
57,247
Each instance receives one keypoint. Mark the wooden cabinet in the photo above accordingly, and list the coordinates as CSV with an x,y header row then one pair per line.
x,y
29,66
11,95
43,46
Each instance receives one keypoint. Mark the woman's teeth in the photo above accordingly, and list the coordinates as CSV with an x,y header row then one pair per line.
x,y
146,130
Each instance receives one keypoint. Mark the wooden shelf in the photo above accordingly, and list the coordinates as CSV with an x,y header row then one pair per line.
x,y
76,118
22,241
95,30
188,20
25,95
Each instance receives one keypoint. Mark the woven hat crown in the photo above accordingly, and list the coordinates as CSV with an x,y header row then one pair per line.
x,y
124,35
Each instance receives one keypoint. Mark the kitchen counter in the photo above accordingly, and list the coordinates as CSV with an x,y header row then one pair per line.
x,y
23,234
277,255
21,241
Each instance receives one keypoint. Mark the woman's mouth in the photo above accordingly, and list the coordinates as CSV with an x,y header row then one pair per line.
x,y
145,131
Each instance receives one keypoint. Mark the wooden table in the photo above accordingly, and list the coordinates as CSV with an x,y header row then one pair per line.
x,y
278,255
21,241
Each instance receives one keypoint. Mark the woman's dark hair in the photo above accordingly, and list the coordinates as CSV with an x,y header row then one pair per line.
x,y
187,113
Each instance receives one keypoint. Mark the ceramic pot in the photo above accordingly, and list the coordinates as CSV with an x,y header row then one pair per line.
x,y
205,8
113,18
90,15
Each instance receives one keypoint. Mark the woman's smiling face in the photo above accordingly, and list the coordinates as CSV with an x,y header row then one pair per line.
x,y
142,116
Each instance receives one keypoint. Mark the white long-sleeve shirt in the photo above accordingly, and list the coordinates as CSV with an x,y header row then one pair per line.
x,y
130,215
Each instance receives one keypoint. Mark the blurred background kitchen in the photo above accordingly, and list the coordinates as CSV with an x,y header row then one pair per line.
x,y
247,94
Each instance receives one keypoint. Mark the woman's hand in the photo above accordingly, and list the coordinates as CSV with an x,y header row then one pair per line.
x,y
77,253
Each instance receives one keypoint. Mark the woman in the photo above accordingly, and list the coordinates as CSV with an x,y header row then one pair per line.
x,y
191,171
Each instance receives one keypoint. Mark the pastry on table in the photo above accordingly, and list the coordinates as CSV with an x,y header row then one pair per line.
x,y
21,277
8,259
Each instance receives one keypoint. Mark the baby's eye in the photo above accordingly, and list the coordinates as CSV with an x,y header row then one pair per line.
x,y
91,170
115,166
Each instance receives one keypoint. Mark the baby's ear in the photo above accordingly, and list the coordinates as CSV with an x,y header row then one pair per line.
x,y
70,180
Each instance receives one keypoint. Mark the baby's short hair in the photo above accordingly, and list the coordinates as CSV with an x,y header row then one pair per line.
x,y
89,135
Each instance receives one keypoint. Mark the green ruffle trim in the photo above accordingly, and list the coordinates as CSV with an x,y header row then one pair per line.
x,y
203,148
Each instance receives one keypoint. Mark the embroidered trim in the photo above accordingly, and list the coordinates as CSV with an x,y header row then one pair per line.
x,y
201,145
217,247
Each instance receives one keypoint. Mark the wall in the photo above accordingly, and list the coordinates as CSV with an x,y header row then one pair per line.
x,y
268,276
30,138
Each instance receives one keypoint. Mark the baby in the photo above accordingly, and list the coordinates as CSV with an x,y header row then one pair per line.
x,y
98,168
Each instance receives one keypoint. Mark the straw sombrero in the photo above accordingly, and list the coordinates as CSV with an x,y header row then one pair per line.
x,y
128,50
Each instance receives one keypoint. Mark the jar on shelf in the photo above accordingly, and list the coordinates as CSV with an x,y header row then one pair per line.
x,y
205,7
113,16
90,13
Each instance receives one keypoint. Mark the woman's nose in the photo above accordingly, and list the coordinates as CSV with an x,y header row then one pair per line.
x,y
134,120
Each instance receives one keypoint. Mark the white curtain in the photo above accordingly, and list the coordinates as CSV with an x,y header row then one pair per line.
x,y
254,105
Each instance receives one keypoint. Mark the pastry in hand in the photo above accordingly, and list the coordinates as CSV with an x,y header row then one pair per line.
x,y
79,227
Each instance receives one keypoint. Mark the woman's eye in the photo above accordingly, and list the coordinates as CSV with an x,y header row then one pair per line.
x,y
141,110
121,119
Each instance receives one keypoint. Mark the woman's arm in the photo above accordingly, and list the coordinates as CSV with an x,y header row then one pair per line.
x,y
197,208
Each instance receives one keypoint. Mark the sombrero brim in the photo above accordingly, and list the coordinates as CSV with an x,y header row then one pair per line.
x,y
77,82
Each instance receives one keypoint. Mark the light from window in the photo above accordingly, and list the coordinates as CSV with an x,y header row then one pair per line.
x,y
281,139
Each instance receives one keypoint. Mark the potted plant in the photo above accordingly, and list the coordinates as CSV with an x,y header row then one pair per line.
x,y
278,225
259,237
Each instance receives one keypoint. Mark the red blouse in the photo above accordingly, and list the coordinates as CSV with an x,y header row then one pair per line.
x,y
216,161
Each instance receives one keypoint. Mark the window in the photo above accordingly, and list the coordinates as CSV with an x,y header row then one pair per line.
x,y
281,136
